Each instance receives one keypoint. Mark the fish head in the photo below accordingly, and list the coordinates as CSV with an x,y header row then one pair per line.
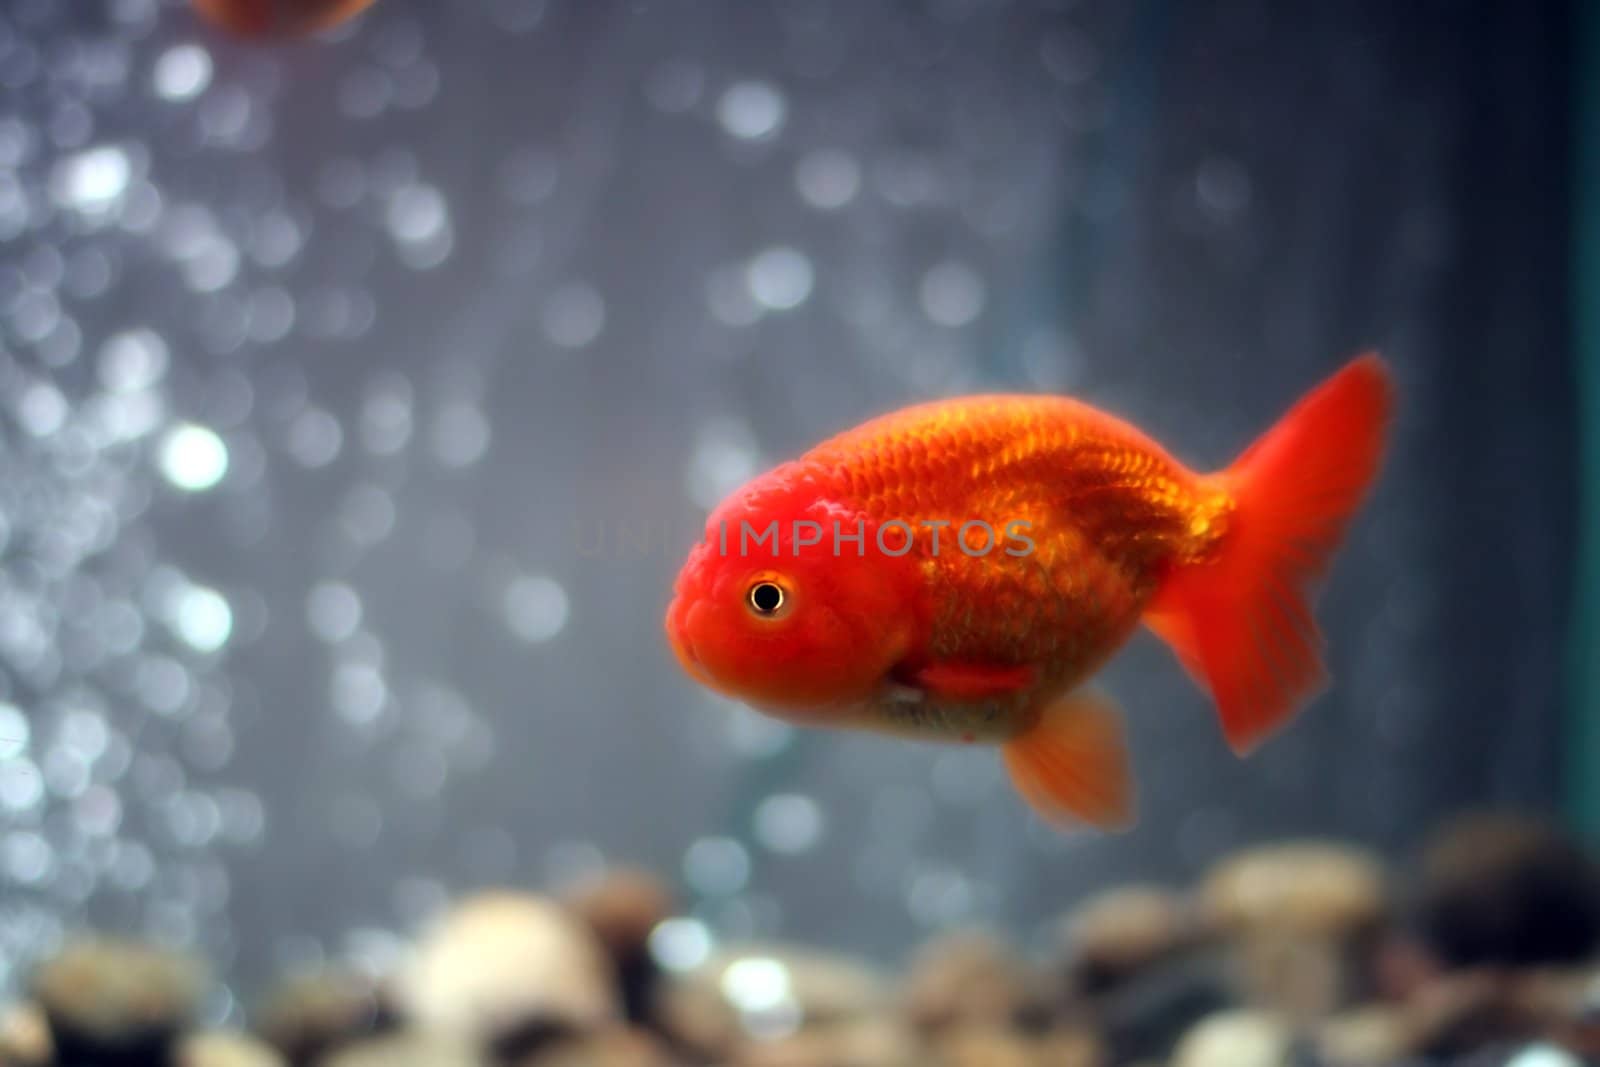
x,y
781,606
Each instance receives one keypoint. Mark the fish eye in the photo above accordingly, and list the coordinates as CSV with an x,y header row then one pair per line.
x,y
766,598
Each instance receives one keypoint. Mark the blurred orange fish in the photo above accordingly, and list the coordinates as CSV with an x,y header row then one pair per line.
x,y
279,18
957,570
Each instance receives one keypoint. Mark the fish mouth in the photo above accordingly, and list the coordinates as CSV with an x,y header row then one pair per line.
x,y
679,617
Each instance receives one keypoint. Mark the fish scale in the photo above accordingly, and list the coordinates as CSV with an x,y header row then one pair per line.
x,y
1102,502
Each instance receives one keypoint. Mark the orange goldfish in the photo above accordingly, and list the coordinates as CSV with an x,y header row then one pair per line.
x,y
287,18
958,569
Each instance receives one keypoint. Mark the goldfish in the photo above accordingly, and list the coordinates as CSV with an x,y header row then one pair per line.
x,y
279,18
958,570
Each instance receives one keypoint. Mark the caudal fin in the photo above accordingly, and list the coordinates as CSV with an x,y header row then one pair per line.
x,y
1072,765
1241,621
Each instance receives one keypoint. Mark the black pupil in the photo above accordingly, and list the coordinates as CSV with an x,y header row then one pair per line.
x,y
766,597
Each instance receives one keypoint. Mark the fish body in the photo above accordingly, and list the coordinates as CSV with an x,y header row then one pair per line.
x,y
957,570
279,18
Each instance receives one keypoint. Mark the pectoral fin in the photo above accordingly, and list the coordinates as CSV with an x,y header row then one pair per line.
x,y
970,682
1072,764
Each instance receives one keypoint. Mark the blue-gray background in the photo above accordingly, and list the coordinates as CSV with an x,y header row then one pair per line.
x,y
485,303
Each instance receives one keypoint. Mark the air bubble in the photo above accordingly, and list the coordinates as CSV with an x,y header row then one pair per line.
x,y
716,866
368,514
574,315
42,409
358,693
164,684
675,87
92,182
417,213
952,294
182,72
518,16
725,456
201,617
365,92
21,786
728,297
315,438
788,823
133,360
536,608
528,176
680,945
193,458
460,435
419,222
333,611
271,314
386,415
828,179
940,897
752,111
780,278
14,732
27,857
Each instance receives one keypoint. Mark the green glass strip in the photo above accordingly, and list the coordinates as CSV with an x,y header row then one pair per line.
x,y
1583,727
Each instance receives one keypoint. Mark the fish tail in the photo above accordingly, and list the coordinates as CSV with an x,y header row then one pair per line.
x,y
1071,765
1240,620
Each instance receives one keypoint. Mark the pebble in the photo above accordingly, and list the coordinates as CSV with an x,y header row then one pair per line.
x,y
504,969
112,1001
